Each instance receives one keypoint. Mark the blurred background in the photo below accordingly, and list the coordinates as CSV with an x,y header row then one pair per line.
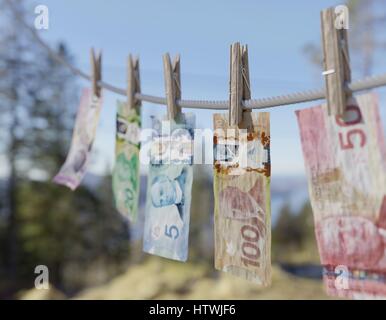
x,y
90,250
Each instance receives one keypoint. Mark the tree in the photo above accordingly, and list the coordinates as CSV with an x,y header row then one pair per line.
x,y
47,224
201,225
367,20
293,236
17,83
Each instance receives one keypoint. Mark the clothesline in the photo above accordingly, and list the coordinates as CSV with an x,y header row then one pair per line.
x,y
269,102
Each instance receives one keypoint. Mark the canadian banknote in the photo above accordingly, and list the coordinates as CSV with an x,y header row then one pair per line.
x,y
166,230
126,169
345,164
242,225
87,118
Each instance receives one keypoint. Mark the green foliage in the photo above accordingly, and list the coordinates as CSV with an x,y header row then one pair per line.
x,y
293,238
59,228
201,222
78,235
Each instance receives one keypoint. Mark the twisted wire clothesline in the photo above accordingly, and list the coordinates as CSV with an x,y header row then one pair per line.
x,y
270,102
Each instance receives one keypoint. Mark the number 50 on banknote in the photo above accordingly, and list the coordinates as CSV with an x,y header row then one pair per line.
x,y
345,164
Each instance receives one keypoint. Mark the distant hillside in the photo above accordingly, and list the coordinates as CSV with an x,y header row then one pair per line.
x,y
290,190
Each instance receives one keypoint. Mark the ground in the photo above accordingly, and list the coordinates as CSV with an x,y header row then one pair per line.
x,y
157,278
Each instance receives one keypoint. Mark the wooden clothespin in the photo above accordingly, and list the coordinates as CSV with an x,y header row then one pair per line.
x,y
133,83
239,84
172,85
96,72
337,70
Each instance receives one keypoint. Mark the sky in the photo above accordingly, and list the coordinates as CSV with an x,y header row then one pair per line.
x,y
201,32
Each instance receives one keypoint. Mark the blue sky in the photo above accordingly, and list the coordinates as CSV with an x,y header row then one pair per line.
x,y
201,31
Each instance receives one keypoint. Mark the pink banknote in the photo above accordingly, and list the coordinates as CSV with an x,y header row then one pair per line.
x,y
87,118
345,163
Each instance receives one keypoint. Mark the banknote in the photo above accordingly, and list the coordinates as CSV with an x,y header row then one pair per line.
x,y
126,168
170,176
242,225
345,164
87,118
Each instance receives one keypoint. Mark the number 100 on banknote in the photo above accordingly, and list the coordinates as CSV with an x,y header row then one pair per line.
x,y
242,198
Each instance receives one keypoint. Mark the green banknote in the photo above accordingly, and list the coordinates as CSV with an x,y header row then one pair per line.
x,y
126,168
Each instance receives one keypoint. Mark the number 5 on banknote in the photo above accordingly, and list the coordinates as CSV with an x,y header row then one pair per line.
x,y
242,198
170,179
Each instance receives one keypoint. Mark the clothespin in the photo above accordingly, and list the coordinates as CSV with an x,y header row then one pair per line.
x,y
96,72
172,85
337,70
133,83
239,84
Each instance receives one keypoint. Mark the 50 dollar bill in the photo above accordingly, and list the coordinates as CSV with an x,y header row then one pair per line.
x,y
345,164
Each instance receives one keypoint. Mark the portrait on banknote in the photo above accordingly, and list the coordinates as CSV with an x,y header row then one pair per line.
x,y
87,118
125,177
170,177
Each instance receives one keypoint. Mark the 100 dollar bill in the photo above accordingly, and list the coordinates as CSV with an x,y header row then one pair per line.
x,y
170,176
87,118
242,198
126,169
345,164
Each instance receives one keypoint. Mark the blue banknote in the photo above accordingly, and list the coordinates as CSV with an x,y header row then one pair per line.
x,y
166,231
